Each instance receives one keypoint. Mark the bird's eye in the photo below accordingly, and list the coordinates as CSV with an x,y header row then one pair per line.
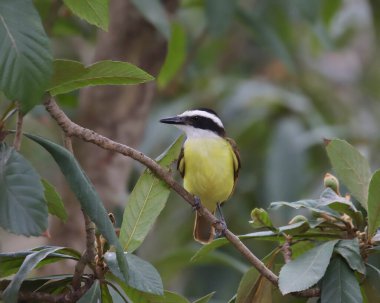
x,y
195,118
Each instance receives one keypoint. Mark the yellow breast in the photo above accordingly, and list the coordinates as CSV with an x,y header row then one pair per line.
x,y
209,169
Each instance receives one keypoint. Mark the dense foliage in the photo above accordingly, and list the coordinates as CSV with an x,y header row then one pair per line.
x,y
301,95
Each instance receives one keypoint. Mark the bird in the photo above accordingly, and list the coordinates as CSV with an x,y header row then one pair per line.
x,y
209,164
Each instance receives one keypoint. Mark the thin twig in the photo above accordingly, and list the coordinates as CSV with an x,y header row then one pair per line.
x,y
88,257
18,135
73,129
286,249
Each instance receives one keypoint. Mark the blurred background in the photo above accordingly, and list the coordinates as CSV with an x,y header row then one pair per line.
x,y
282,74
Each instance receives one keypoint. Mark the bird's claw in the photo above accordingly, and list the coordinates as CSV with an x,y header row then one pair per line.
x,y
197,203
221,230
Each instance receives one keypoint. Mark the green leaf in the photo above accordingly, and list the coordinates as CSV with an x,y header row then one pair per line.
x,y
313,205
246,285
136,296
374,204
85,193
301,247
91,295
233,299
71,75
295,228
339,284
351,167
105,294
307,269
54,201
146,202
155,13
371,284
262,291
350,251
10,294
25,56
11,262
55,284
22,206
254,288
205,299
331,199
219,15
175,56
95,12
260,218
168,297
142,275
261,235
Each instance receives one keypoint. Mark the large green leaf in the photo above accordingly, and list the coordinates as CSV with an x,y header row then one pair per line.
x,y
146,202
10,294
307,269
93,11
54,201
11,262
23,209
142,275
371,284
350,251
91,295
175,56
339,284
313,205
71,75
155,13
85,193
136,296
374,204
351,167
25,56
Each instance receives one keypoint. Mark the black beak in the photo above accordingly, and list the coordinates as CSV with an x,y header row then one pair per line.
x,y
173,120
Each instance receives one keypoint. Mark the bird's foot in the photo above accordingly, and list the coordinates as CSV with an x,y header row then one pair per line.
x,y
221,228
197,203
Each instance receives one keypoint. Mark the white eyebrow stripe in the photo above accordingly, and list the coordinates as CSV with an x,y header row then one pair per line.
x,y
191,113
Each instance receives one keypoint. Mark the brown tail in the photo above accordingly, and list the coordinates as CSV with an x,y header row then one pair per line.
x,y
204,232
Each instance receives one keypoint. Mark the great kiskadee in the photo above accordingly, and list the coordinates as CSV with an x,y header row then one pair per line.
x,y
209,163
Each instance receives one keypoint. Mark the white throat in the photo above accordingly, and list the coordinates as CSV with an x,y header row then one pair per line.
x,y
192,132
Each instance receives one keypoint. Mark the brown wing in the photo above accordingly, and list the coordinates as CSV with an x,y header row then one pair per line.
x,y
181,163
237,163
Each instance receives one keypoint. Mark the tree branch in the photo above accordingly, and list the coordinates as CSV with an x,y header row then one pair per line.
x,y
73,129
18,135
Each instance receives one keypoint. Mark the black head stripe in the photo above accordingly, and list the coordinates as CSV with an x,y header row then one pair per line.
x,y
208,110
206,123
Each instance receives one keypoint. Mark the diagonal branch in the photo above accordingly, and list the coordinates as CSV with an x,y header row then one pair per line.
x,y
73,129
